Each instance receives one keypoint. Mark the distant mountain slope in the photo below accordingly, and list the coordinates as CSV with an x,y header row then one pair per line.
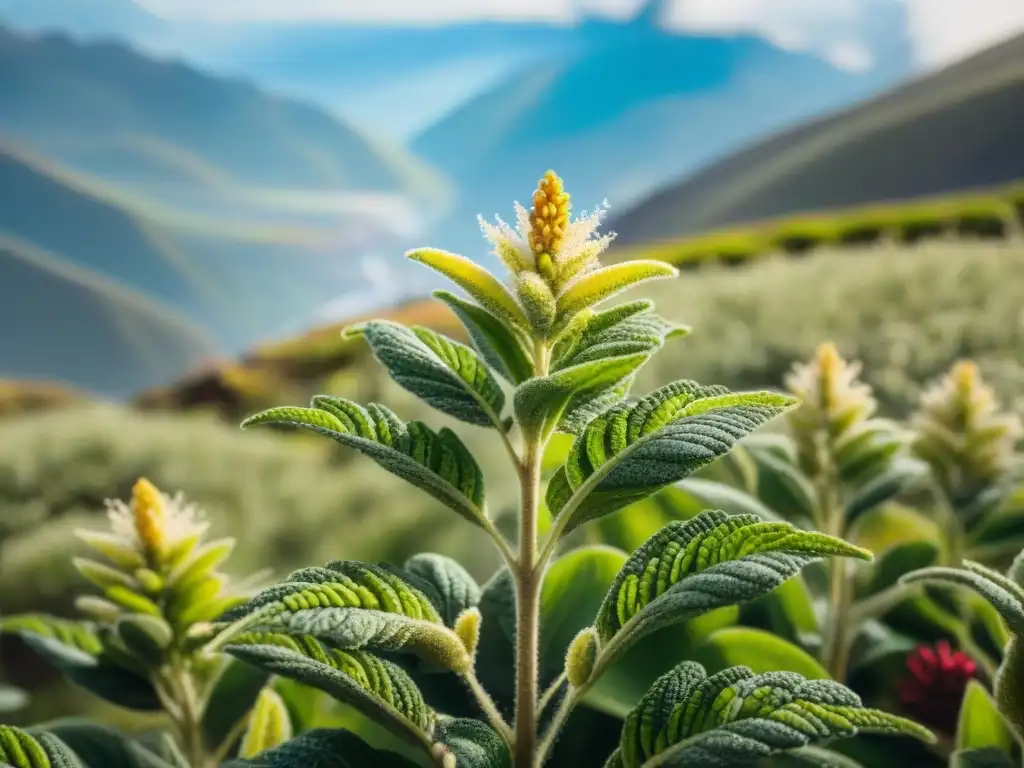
x,y
618,119
65,323
83,17
75,102
953,130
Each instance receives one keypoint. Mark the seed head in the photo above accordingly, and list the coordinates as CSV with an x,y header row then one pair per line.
x,y
549,221
149,512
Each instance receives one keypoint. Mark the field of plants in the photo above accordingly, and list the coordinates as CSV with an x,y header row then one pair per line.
x,y
906,354
993,214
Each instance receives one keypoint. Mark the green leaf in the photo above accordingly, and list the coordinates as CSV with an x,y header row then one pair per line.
x,y
783,487
269,725
377,688
484,287
495,651
99,746
600,284
628,329
444,581
584,408
792,609
445,374
713,560
21,749
473,744
865,451
757,649
1004,595
814,757
899,560
541,402
633,450
980,724
355,606
981,758
897,478
324,748
736,717
439,464
77,650
504,348
233,694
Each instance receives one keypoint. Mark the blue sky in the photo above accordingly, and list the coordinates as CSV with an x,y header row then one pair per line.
x,y
940,30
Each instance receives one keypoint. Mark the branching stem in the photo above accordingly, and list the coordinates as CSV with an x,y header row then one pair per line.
x,y
489,708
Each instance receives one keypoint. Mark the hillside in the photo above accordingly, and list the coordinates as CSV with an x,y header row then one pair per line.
x,y
954,130
83,17
635,108
67,324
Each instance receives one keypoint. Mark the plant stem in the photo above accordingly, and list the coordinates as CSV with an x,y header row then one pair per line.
x,y
528,583
555,727
528,613
483,698
837,643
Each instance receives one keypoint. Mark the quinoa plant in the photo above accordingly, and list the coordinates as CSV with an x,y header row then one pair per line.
x,y
399,645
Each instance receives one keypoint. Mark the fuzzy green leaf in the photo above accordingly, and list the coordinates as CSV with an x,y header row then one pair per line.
x,y
594,287
438,463
1004,594
541,402
445,374
623,330
269,725
714,560
629,329
980,725
816,757
736,717
505,348
473,744
20,749
636,449
82,654
484,287
324,748
379,689
355,606
444,581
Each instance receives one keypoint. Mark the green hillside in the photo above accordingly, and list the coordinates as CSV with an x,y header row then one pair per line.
x,y
953,130
67,323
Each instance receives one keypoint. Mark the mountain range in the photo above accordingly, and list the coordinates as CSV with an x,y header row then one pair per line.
x,y
954,130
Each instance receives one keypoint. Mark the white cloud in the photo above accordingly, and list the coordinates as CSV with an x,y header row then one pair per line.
x,y
940,30
944,30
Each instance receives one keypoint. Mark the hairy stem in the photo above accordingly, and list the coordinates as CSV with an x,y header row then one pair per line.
x,y
177,692
528,584
490,709
557,723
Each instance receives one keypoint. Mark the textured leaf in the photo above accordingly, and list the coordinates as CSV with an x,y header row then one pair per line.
x,y
77,650
98,746
355,606
269,725
1004,595
736,717
20,749
633,450
757,649
980,724
783,487
713,560
444,581
624,330
445,374
584,408
600,284
439,464
504,347
484,287
473,744
324,748
815,757
541,402
232,696
378,688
